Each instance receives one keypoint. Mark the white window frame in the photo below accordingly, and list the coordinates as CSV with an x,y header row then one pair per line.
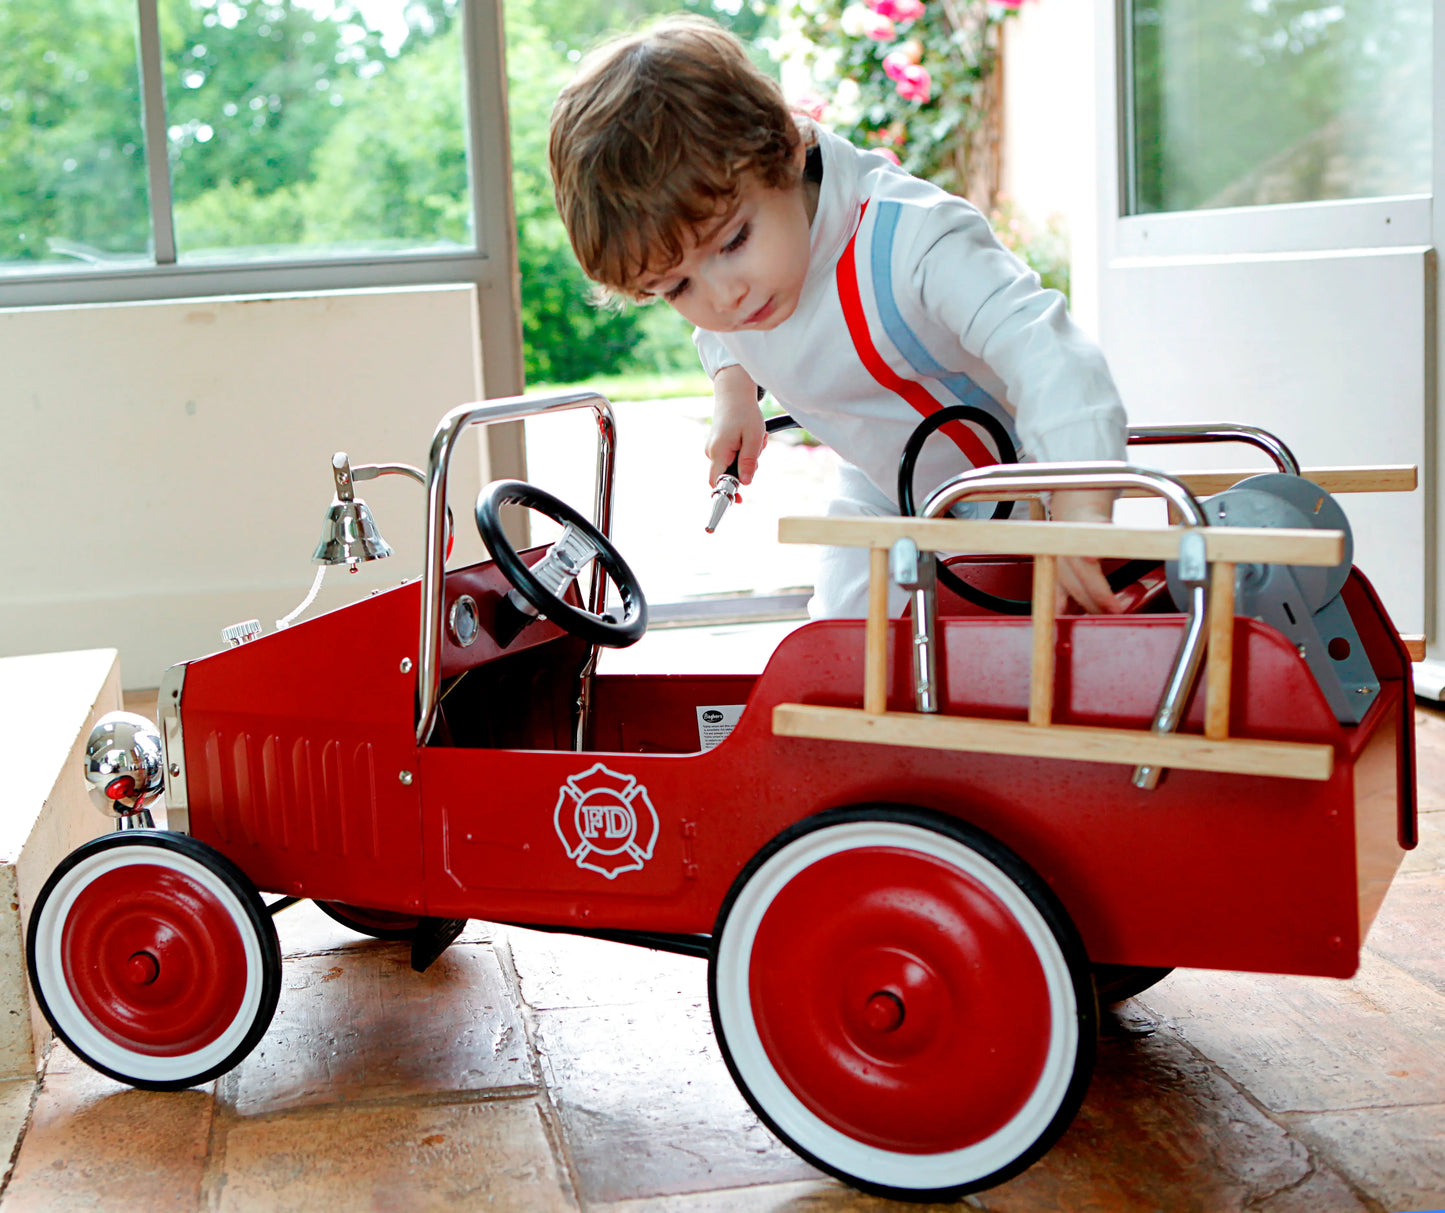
x,y
491,265
1354,223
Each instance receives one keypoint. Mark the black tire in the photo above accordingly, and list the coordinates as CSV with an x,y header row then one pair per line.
x,y
971,1055
379,924
1116,983
153,958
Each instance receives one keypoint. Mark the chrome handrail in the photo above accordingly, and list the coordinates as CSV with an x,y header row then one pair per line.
x,y
449,428
1057,477
1181,435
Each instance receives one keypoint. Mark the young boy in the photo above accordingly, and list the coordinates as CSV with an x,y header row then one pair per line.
x,y
860,296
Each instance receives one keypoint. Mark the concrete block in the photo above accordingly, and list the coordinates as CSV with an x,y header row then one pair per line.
x,y
48,704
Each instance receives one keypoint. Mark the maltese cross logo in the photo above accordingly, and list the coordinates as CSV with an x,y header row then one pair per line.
x,y
605,821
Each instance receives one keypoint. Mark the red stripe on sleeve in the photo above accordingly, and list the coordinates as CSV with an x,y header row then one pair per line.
x,y
914,393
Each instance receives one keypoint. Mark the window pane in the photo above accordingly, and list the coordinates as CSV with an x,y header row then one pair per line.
x,y
313,128
1249,102
72,157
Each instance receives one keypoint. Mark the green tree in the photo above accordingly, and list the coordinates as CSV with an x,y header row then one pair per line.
x,y
565,337
249,88
574,26
1240,102
72,156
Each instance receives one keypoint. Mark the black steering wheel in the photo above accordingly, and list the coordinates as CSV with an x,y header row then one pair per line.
x,y
596,629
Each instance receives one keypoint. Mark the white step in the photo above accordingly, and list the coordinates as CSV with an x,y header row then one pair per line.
x,y
48,704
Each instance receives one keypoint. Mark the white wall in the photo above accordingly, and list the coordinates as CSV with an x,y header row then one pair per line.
x,y
1049,160
167,465
1329,351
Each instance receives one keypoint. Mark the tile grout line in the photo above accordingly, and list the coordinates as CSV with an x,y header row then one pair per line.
x,y
1313,1157
1306,1113
550,1114
25,1124
213,1174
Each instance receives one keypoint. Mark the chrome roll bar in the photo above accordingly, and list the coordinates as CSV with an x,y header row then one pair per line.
x,y
489,412
1178,435
1057,477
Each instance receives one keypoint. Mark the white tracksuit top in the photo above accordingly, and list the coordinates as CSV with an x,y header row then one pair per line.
x,y
911,303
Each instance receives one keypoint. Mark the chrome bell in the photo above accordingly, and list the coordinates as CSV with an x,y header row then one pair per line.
x,y
124,764
349,534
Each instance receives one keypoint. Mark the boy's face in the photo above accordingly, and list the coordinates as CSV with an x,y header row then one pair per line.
x,y
748,273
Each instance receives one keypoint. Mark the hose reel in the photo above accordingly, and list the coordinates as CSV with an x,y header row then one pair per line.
x,y
1301,602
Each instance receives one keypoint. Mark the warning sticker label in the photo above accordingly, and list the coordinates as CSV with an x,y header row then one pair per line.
x,y
715,722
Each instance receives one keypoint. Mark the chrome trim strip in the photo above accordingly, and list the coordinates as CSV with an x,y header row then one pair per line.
x,y
1179,435
168,710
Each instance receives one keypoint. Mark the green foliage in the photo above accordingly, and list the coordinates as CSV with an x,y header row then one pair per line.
x,y
70,132
242,102
279,116
574,26
565,338
1243,102
294,127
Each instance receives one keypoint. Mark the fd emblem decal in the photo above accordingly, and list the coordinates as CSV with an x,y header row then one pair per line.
x,y
605,821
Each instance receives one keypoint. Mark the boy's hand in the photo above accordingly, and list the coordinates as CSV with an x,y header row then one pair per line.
x,y
737,430
1080,577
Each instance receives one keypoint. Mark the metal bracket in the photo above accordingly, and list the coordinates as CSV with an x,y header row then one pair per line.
x,y
917,572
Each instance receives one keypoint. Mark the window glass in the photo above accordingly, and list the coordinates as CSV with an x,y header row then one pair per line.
x,y
313,128
1250,102
72,156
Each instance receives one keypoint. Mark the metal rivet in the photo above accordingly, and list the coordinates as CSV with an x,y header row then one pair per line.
x,y
175,768
406,665
405,778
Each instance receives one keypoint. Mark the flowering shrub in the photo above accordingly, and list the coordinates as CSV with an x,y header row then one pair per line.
x,y
915,79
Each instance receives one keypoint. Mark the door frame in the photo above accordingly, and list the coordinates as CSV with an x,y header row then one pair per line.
x,y
1335,226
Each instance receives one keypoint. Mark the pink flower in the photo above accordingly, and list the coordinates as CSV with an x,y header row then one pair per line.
x,y
879,28
812,104
888,154
901,11
896,63
914,83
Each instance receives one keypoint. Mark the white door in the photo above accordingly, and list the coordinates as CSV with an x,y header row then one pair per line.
x,y
1266,241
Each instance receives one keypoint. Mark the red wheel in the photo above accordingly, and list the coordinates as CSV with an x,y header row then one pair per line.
x,y
153,958
903,1002
379,924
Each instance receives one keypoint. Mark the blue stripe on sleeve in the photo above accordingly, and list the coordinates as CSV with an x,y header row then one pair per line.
x,y
962,387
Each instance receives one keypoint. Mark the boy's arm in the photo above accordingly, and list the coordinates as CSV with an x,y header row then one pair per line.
x,y
1067,405
737,425
1080,577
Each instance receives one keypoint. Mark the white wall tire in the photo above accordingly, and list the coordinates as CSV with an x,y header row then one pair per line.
x,y
903,1002
153,958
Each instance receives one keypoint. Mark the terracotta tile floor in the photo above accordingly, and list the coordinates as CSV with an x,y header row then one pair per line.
x,y
538,1072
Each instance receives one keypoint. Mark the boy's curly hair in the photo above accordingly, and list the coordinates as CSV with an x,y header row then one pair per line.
x,y
652,141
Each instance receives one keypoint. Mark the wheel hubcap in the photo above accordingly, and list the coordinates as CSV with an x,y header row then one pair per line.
x,y
884,1012
900,1000
154,960
143,968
